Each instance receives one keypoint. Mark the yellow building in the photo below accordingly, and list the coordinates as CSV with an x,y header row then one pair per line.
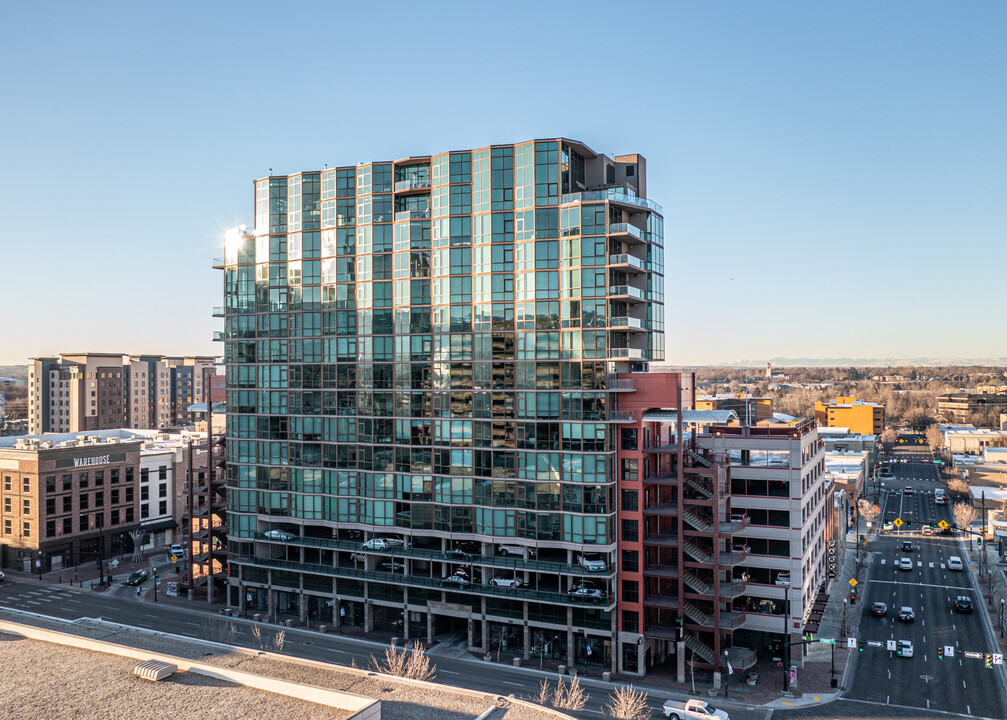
x,y
862,418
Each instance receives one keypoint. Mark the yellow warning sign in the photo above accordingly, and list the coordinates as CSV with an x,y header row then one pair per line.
x,y
853,582
942,524
898,522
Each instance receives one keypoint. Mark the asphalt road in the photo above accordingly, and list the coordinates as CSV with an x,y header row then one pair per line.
x,y
956,684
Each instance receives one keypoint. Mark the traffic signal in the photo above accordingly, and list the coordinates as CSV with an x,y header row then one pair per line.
x,y
989,661
940,652
909,524
899,651
860,645
979,541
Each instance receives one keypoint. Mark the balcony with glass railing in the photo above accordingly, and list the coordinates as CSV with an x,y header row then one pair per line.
x,y
627,263
627,323
626,232
617,195
627,291
414,183
627,353
412,215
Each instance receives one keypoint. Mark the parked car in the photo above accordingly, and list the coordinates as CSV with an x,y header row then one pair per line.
x,y
906,614
905,648
879,609
383,543
456,554
519,550
782,578
963,604
137,577
177,550
955,563
592,562
692,710
279,535
392,566
587,594
358,557
469,546
906,564
455,581
507,582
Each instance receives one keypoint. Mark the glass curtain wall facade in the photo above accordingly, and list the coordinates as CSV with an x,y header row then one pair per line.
x,y
420,384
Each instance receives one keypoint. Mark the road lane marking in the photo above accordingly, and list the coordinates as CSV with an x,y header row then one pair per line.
x,y
506,682
452,672
32,602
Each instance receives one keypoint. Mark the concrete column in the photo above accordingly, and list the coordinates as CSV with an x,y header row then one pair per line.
x,y
471,632
486,635
405,614
527,637
430,627
680,665
571,649
303,609
614,660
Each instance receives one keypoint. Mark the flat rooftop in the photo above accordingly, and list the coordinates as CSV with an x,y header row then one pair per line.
x,y
44,680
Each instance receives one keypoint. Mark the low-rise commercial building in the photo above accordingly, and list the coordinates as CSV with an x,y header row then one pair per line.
x,y
749,409
862,418
961,406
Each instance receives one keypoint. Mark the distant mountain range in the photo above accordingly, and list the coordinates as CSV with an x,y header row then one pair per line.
x,y
781,362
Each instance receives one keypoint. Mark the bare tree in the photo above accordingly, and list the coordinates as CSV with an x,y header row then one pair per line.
x,y
958,486
691,664
889,436
544,694
278,640
218,631
412,663
868,510
988,581
257,634
964,513
569,696
627,703
934,438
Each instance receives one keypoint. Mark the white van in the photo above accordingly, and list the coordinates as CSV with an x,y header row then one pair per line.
x,y
955,563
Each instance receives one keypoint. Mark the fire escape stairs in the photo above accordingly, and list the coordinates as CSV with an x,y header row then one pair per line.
x,y
696,520
698,487
698,647
699,458
696,583
697,552
695,613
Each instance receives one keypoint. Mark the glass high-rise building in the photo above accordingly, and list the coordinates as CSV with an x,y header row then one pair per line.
x,y
422,406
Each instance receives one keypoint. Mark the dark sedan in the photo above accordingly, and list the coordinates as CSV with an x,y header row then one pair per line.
x,y
137,577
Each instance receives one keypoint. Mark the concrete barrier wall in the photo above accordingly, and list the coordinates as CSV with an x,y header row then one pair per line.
x,y
363,708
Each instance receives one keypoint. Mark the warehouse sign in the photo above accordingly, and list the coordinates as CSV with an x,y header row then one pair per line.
x,y
96,460
85,462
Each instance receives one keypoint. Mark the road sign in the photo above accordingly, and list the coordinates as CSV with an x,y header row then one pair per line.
x,y
827,641
898,522
949,651
851,643
889,644
998,659
853,582
114,563
874,643
174,558
973,654
330,603
942,524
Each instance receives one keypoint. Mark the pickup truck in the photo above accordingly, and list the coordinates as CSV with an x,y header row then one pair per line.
x,y
692,710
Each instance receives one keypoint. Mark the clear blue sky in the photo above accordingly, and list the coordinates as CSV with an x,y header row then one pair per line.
x,y
833,175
